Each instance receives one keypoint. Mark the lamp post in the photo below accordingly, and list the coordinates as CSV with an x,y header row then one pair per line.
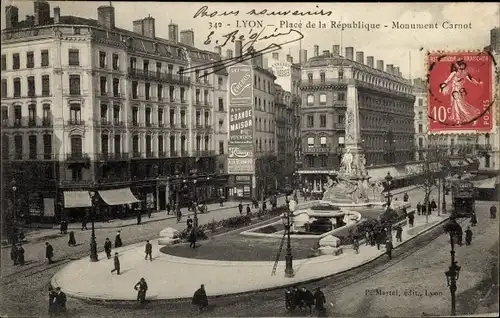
x,y
287,222
14,202
195,220
452,274
93,244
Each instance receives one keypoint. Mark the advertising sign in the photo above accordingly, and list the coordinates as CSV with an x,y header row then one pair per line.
x,y
240,125
240,85
460,92
240,158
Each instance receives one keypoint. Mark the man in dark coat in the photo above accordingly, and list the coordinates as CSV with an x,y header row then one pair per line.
x,y
378,238
149,251
493,212
169,208
264,206
307,298
49,252
13,255
319,300
419,208
200,298
388,249
460,235
289,303
240,208
118,240
64,226
249,210
52,296
84,223
107,247
411,219
139,217
116,262
221,201
72,240
59,301
468,236
473,219
20,254
433,205
399,233
192,238
406,197
189,222
142,288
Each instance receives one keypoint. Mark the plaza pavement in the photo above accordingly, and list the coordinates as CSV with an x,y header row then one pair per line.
x,y
171,277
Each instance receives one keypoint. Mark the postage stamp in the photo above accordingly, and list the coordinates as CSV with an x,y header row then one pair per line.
x,y
459,92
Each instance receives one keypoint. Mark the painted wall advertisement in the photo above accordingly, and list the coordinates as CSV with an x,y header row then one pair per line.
x,y
240,158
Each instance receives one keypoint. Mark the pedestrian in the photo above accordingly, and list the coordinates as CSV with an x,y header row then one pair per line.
x,y
372,238
289,303
84,223
378,238
307,298
138,217
367,237
52,297
116,262
240,208
319,300
433,205
118,240
64,226
411,219
473,219
72,240
149,250
468,236
249,210
406,197
264,206
192,238
419,208
59,301
20,254
200,298
142,288
255,204
355,245
295,198
149,209
221,200
13,255
107,247
493,212
189,223
399,233
169,207
388,248
49,252
460,235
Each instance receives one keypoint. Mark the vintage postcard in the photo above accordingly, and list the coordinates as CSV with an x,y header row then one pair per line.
x,y
249,159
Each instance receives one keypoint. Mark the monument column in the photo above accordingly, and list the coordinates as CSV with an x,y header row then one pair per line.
x,y
353,131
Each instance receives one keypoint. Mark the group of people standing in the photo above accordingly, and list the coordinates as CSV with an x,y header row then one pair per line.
x,y
57,301
422,208
302,298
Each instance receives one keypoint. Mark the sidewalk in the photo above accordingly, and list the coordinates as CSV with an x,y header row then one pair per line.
x,y
171,277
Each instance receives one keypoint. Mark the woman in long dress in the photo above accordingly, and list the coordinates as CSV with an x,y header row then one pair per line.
x,y
462,112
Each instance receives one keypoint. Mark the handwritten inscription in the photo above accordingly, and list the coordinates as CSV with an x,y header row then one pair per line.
x,y
204,12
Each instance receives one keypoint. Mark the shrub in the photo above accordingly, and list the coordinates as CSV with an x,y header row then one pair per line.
x,y
184,234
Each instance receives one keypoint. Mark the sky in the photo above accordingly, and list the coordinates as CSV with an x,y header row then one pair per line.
x,y
404,48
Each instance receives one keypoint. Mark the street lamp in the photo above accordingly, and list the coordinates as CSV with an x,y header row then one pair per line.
x,y
14,203
93,244
195,221
452,274
287,222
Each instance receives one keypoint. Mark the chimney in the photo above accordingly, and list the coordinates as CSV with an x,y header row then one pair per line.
x,y
187,37
326,53
316,50
336,50
349,53
289,58
106,16
148,27
360,57
276,56
42,12
237,48
398,72
369,61
218,50
173,32
138,27
57,14
389,68
380,65
229,53
11,16
303,56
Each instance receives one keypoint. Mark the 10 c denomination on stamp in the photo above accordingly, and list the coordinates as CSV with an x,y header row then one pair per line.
x,y
459,92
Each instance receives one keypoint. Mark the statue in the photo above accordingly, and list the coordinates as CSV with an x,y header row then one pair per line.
x,y
346,162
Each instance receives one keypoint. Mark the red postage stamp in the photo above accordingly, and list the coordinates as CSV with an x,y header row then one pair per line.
x,y
459,92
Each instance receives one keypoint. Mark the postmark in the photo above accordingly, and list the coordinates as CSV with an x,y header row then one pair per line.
x,y
460,96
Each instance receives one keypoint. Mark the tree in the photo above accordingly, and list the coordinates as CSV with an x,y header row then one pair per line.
x,y
430,166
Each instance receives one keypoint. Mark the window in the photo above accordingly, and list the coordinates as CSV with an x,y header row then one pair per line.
x,y
341,74
46,115
420,142
160,143
197,98
4,88
117,144
160,92
31,86
221,147
75,114
420,102
32,115
47,146
171,93
322,121
220,82
135,116
310,99
18,146
207,142
74,57
145,65
148,116
322,142
341,96
207,118
116,87
135,145
341,119
147,88
310,77
16,64
197,118
221,104
183,94
76,145
183,118
133,63
30,59
17,87
172,145
322,98
420,115
102,59
197,76
183,143
310,142
104,144
198,143
17,115
310,121
170,69
135,89
104,113
74,84
172,117
221,125
4,62
116,114
116,61
103,85
322,77
45,58
45,85
420,128
5,115
205,97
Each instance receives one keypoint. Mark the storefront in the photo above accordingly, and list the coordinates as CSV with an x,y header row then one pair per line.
x,y
241,187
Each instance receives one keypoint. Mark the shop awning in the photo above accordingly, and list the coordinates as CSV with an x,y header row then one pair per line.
x,y
118,196
486,184
77,199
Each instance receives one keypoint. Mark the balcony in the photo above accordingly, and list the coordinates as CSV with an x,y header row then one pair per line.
x,y
118,123
103,93
120,156
183,125
174,153
105,122
158,76
117,94
320,82
204,153
77,157
206,103
46,122
32,123
75,122
339,125
161,125
184,153
18,122
162,154
75,92
136,154
45,93
150,154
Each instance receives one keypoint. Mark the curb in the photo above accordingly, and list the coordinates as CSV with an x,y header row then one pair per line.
x,y
184,299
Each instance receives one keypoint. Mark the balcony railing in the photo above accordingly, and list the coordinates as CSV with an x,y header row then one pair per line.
x,y
119,156
162,154
204,153
150,154
184,153
118,123
174,153
75,122
77,157
158,76
136,154
46,122
105,122
32,123
183,125
339,125
331,81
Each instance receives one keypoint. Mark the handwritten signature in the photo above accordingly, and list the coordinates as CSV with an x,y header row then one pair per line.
x,y
248,49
